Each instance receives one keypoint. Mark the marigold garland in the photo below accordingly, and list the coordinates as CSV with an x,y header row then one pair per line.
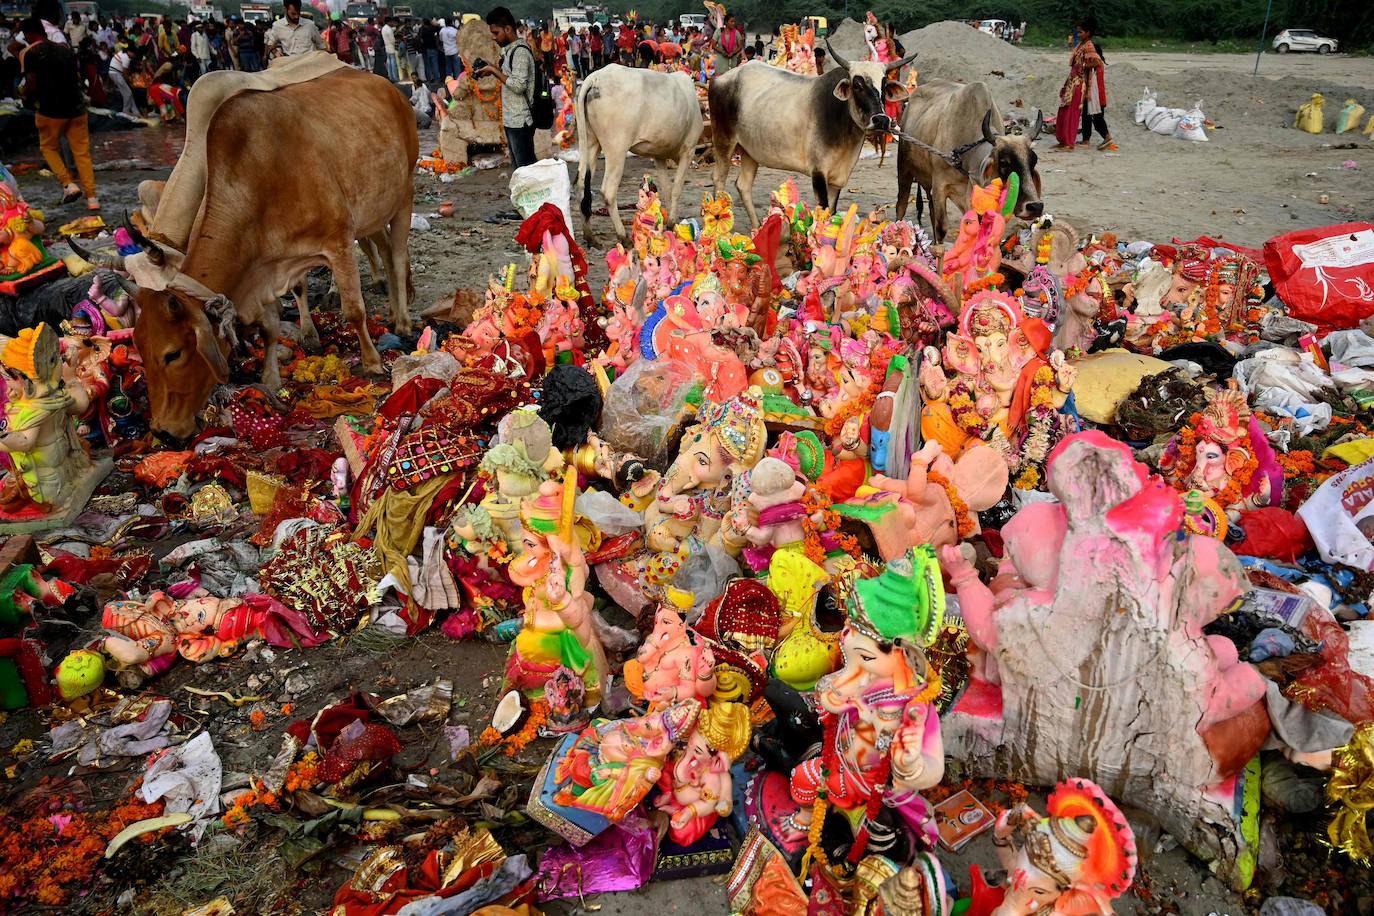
x,y
49,857
855,407
1234,490
514,744
962,516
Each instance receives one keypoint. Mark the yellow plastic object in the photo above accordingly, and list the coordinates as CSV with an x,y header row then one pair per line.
x,y
1349,118
1310,117
1353,452
1105,378
1369,127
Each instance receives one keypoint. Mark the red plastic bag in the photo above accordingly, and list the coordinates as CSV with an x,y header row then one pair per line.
x,y
1325,275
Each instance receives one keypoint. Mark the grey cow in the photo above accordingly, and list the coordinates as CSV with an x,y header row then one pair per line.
x,y
622,110
963,118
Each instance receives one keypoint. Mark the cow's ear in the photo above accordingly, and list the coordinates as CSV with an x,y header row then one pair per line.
x,y
894,91
843,90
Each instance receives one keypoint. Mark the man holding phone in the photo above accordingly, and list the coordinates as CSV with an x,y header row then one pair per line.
x,y
516,73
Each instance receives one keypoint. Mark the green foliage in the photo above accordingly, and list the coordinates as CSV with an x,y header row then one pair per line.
x,y
1119,22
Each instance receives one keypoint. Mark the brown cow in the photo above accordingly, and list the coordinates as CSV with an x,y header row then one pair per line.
x,y
293,177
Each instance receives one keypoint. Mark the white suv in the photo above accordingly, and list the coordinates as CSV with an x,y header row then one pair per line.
x,y
1303,40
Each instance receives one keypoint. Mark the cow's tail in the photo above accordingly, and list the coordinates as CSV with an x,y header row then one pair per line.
x,y
587,147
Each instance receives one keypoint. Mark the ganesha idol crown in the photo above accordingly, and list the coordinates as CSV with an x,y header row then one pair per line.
x,y
989,312
905,602
738,425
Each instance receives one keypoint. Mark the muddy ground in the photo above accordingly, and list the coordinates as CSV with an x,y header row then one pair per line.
x,y
1257,178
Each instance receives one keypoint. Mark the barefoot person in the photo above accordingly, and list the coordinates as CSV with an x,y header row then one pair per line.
x,y
1083,100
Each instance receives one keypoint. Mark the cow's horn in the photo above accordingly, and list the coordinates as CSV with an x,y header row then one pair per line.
x,y
149,247
836,55
127,284
1039,125
98,258
903,62
987,128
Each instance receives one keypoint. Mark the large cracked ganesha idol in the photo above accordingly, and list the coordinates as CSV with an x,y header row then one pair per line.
x,y
983,393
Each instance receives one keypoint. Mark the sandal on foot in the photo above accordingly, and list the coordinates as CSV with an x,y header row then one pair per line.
x,y
1108,146
70,194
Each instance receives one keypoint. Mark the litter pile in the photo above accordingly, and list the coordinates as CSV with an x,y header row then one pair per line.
x,y
770,531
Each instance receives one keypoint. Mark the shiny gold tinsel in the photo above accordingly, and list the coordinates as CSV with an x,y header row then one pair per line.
x,y
1351,793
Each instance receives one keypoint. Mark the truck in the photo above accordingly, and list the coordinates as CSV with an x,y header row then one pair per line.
x,y
571,18
256,12
203,12
358,13
401,12
688,20
88,10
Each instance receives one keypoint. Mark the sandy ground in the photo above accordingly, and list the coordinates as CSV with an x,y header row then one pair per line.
x,y
1256,178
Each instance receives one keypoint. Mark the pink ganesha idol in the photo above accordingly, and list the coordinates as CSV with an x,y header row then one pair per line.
x,y
977,251
1111,658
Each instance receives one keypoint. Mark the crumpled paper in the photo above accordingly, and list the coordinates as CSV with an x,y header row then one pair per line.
x,y
188,779
132,739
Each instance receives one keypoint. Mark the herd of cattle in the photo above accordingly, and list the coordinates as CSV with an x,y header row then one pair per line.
x,y
234,229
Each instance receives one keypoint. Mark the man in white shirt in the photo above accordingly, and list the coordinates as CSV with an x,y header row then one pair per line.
x,y
293,35
448,42
105,35
76,30
200,48
389,46
119,75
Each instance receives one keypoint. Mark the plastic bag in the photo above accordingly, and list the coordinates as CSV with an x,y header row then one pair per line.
x,y
544,182
1148,102
1325,275
1190,125
642,405
1310,117
1340,513
1164,120
1369,127
1349,118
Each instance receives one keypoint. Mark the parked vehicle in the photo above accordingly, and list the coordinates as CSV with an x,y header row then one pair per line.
x,y
820,24
1303,40
687,20
89,11
256,12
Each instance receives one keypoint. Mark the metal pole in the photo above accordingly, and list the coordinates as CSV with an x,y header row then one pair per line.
x,y
1264,33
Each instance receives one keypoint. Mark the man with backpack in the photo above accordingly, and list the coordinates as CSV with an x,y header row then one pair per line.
x,y
525,100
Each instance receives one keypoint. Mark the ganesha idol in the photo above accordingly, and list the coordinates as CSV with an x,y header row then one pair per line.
x,y
681,328
695,493
938,502
559,627
1002,376
1091,635
882,743
1223,454
1077,859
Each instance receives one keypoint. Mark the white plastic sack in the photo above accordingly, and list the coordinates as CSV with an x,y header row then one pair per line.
x,y
1147,103
1164,120
1190,125
1280,367
189,779
1352,347
544,182
1339,514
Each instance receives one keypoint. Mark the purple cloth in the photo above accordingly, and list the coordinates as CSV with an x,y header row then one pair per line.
x,y
620,858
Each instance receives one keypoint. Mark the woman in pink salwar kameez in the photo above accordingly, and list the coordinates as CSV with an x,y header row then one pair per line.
x,y
1083,100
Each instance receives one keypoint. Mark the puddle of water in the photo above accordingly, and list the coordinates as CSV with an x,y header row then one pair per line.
x,y
145,147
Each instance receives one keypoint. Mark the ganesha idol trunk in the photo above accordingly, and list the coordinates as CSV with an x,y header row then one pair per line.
x,y
1105,672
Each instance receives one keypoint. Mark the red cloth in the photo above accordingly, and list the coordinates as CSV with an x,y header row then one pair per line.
x,y
1274,534
549,218
766,242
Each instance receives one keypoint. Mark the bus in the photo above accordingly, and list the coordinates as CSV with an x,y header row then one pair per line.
x,y
358,13
89,11
256,12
